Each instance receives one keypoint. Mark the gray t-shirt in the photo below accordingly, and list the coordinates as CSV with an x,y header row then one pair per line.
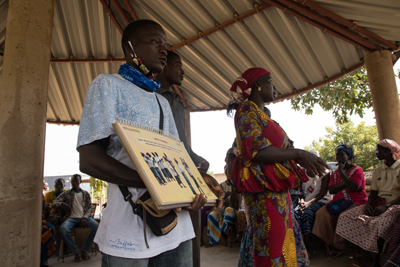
x,y
179,113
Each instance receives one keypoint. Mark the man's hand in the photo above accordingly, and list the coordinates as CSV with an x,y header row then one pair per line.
x,y
216,189
83,223
65,207
198,203
202,165
369,210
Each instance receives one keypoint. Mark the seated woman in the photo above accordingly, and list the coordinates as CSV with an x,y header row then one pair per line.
x,y
221,220
368,226
264,171
348,185
316,195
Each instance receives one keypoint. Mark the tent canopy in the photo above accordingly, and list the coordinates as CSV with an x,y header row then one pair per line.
x,y
304,44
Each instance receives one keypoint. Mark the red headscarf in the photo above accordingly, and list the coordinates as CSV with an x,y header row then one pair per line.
x,y
393,146
241,88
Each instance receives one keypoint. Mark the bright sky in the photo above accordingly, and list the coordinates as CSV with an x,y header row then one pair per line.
x,y
212,135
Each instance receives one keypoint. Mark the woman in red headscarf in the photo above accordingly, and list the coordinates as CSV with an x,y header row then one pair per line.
x,y
265,170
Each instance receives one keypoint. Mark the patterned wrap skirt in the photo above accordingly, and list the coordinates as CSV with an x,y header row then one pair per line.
x,y
393,255
364,230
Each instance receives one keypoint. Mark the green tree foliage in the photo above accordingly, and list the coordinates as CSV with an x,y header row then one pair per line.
x,y
363,138
97,188
347,96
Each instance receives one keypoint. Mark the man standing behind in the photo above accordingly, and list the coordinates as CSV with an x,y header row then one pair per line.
x,y
77,208
173,75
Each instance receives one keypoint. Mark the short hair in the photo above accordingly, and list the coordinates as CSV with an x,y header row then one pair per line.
x,y
77,176
134,29
59,179
171,55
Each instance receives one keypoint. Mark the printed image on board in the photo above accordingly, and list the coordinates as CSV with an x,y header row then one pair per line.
x,y
164,165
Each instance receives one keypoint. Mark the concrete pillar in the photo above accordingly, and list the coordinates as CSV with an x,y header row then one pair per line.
x,y
23,101
385,98
188,131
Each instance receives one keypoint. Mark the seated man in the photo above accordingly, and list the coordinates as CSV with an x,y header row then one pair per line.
x,y
50,196
77,207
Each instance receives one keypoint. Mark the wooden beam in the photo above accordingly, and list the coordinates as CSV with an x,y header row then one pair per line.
x,y
63,122
188,128
348,23
121,11
316,24
237,18
211,109
331,24
183,99
87,60
319,84
131,10
111,15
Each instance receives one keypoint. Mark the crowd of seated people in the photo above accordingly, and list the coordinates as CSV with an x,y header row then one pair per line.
x,y
364,221
336,208
66,209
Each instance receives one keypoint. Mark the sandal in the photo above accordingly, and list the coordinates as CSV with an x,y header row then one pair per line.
x,y
77,257
335,253
85,256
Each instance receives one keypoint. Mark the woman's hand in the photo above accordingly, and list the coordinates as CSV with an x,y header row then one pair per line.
x,y
340,166
380,209
315,165
369,210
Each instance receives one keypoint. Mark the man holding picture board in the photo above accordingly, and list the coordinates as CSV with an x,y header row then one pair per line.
x,y
130,96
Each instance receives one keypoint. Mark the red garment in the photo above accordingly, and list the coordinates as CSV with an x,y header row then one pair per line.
x,y
257,131
265,188
356,174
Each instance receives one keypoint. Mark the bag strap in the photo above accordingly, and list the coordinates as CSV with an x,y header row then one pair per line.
x,y
161,125
128,198
128,195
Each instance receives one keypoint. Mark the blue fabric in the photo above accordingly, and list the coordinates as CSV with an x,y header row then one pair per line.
x,y
111,96
75,222
308,218
178,257
346,148
136,77
218,223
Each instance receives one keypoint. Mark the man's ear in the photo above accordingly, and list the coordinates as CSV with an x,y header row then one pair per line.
x,y
128,48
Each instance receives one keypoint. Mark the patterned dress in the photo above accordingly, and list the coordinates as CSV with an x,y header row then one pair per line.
x,y
265,187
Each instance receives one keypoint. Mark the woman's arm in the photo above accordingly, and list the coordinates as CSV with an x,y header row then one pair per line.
x,y
272,154
333,189
368,209
323,189
350,184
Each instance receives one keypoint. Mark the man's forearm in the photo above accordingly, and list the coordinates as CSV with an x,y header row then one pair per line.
x,y
97,163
